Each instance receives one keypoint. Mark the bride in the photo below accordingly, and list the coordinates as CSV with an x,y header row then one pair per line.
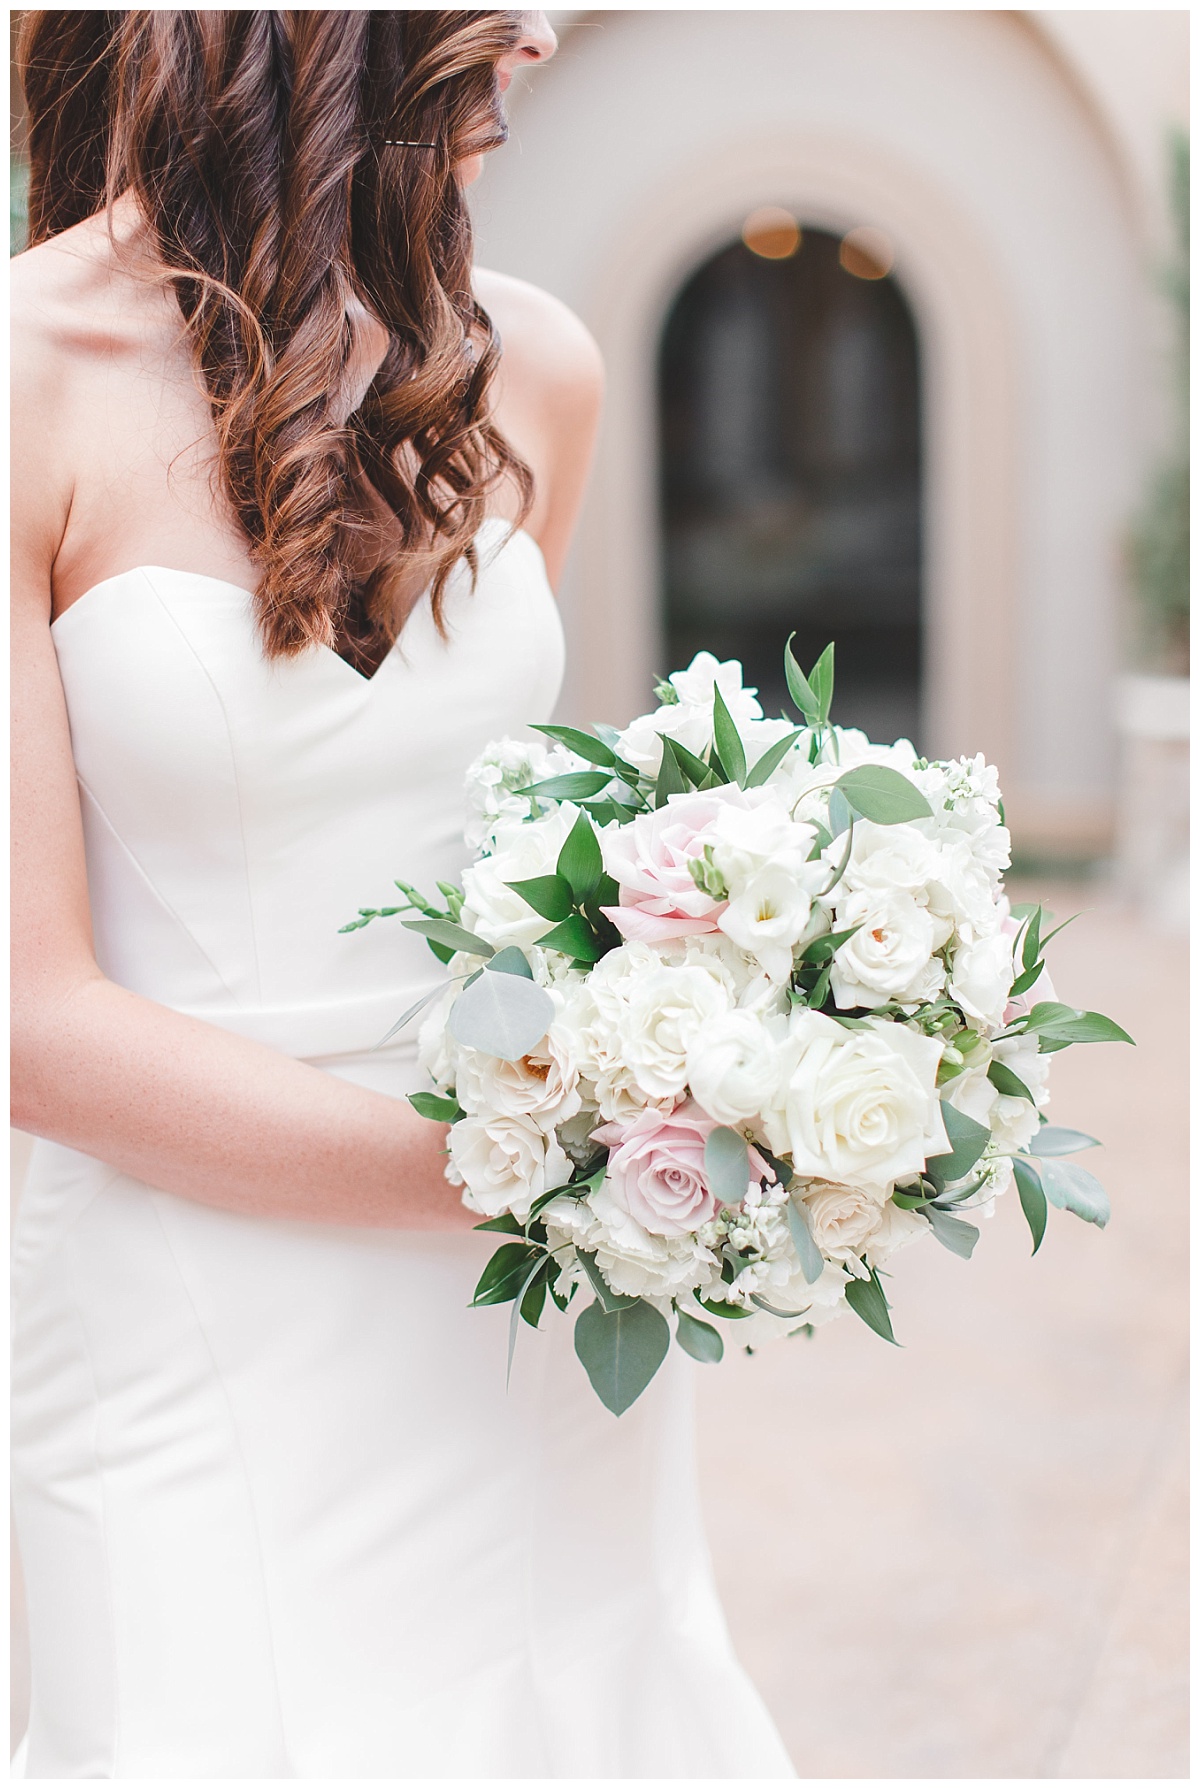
x,y
293,484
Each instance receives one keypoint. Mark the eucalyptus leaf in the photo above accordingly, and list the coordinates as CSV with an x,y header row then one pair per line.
x,y
445,932
502,1015
1072,1188
1033,1199
510,961
726,1165
812,1261
866,1300
840,814
621,1350
953,1233
881,794
698,1339
717,1307
756,1298
411,1012
1056,1139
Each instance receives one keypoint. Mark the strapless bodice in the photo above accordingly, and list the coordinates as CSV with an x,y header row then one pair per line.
x,y
238,810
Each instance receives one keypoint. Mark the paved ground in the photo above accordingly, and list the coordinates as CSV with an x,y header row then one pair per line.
x,y
967,1557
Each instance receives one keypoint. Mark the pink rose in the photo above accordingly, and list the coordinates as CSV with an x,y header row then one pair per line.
x,y
656,1169
649,858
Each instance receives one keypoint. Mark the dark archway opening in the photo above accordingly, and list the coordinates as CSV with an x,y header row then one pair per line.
x,y
790,468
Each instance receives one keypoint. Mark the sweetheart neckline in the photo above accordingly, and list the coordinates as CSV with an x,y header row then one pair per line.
x,y
227,584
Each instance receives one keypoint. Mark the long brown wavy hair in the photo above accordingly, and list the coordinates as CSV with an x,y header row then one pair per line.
x,y
268,154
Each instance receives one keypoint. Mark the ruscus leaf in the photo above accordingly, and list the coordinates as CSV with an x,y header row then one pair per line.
x,y
548,895
728,740
866,1300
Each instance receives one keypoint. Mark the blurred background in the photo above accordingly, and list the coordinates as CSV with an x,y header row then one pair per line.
x,y
894,312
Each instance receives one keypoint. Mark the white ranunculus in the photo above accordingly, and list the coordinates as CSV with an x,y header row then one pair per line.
x,y
768,917
493,909
843,1219
890,956
664,1012
857,1106
732,1065
505,1163
543,1086
980,977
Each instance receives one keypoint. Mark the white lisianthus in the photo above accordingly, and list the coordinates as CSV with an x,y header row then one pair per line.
x,y
856,1106
543,1086
980,977
665,1011
523,850
732,1065
768,918
505,1163
503,767
890,956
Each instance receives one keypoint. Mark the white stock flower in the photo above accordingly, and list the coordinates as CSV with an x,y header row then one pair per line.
x,y
505,1163
980,976
523,850
890,956
504,766
856,1106
733,1063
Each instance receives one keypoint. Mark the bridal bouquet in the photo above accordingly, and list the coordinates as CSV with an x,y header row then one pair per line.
x,y
738,1009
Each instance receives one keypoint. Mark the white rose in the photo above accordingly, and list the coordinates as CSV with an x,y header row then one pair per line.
x,y
980,977
665,1010
857,1106
843,1219
891,858
690,719
522,851
505,1163
754,829
897,1228
890,956
732,1065
543,1085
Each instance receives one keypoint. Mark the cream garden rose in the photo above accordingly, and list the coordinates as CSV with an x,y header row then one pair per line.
x,y
505,1163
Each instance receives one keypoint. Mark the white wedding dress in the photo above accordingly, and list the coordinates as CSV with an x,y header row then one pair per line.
x,y
278,1515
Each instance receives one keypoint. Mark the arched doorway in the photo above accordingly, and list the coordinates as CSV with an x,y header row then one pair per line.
x,y
790,470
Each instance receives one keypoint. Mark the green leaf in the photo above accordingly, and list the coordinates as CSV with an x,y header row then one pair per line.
x,y
502,1015
1056,1139
621,1350
584,745
1033,1199
881,794
505,1273
450,936
866,1300
410,1012
812,1261
771,759
968,1140
728,741
532,1303
756,1298
1027,979
1031,942
574,785
694,769
506,1224
575,938
548,895
823,948
841,816
1072,1188
1071,1025
671,780
609,1300
726,1165
820,682
799,688
535,1277
718,1308
580,864
698,1339
432,1105
953,1233
1005,1082
510,961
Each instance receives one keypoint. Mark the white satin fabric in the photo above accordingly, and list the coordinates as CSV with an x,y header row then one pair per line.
x,y
277,1514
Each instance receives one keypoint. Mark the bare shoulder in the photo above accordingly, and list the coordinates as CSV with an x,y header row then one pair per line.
x,y
548,354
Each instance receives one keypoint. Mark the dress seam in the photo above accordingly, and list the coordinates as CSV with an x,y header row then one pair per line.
x,y
237,781
246,1475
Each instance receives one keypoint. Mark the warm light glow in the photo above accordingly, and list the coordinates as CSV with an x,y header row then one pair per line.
x,y
772,233
866,253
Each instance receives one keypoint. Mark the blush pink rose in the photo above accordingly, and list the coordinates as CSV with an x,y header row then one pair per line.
x,y
656,1168
649,858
